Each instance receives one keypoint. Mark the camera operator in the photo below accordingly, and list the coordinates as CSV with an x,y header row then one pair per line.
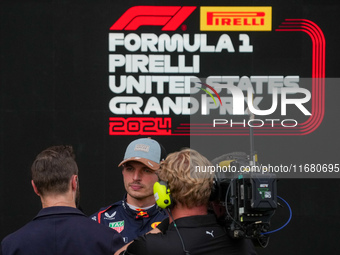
x,y
190,229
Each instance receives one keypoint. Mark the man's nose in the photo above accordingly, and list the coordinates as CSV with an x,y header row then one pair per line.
x,y
137,175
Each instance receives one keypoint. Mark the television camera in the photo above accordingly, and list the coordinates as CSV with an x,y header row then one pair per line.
x,y
244,200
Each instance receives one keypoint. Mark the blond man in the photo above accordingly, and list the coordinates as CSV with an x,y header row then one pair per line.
x,y
190,228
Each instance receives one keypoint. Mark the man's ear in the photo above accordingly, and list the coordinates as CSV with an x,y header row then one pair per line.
x,y
35,188
74,182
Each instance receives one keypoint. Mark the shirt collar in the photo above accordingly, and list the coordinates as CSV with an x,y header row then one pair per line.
x,y
58,210
195,221
151,211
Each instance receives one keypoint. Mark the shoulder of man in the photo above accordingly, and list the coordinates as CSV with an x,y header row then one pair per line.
x,y
108,212
14,242
103,232
17,235
139,245
155,244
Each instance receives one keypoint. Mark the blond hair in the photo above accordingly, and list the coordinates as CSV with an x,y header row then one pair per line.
x,y
187,186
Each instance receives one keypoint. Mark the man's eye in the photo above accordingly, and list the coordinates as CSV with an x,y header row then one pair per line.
x,y
129,169
148,170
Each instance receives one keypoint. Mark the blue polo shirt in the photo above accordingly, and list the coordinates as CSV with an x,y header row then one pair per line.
x,y
62,230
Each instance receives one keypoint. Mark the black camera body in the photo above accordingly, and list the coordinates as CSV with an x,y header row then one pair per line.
x,y
244,197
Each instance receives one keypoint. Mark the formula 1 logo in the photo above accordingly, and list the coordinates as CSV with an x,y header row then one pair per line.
x,y
170,17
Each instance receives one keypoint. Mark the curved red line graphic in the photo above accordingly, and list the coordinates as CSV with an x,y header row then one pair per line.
x,y
318,70
319,74
218,96
315,100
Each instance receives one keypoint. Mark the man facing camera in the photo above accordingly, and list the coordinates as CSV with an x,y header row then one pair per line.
x,y
190,229
137,213
59,228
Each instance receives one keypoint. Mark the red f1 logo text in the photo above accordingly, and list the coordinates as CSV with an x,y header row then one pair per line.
x,y
170,17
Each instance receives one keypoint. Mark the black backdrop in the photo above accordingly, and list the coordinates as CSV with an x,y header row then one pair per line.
x,y
54,90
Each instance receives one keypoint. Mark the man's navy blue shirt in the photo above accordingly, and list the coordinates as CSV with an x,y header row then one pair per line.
x,y
129,223
62,230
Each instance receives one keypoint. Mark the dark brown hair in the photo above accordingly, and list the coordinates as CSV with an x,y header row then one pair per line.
x,y
53,168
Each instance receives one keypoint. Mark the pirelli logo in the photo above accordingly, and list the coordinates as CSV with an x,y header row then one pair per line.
x,y
236,18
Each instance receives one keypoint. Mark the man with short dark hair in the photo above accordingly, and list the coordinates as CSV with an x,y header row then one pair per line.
x,y
137,213
59,228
